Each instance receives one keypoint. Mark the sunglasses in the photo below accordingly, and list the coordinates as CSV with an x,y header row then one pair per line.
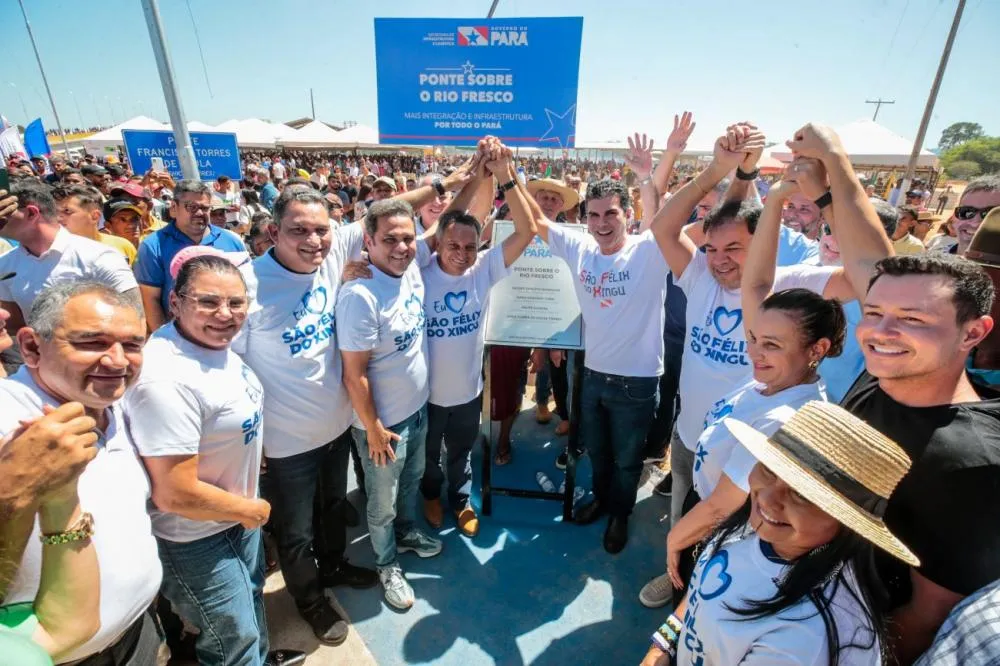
x,y
825,230
970,212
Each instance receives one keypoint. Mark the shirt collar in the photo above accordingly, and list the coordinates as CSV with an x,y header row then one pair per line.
x,y
213,233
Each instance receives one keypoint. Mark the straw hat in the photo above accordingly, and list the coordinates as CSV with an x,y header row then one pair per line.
x,y
839,463
985,246
570,196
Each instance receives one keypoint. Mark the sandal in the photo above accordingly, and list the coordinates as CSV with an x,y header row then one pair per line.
x,y
503,456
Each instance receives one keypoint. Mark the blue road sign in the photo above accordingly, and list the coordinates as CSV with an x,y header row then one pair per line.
x,y
215,152
451,81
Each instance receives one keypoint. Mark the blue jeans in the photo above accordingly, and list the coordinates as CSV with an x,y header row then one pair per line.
x,y
216,584
394,488
615,413
307,494
458,427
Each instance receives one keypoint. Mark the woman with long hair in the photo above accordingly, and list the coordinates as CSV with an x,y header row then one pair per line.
x,y
789,578
790,334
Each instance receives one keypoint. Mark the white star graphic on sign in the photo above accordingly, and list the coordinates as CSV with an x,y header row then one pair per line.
x,y
561,126
467,68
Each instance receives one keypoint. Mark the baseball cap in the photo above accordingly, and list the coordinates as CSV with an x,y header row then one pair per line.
x,y
93,170
385,180
131,189
117,205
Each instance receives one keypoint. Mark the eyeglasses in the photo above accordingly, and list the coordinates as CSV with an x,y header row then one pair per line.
x,y
193,207
211,304
970,212
825,230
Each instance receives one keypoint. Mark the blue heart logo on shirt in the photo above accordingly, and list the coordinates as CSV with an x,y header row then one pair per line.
x,y
413,305
455,302
714,579
727,320
315,301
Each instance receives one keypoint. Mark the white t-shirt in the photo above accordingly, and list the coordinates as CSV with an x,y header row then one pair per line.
x,y
455,307
290,340
740,571
196,401
621,298
278,171
385,315
70,257
715,357
114,488
765,413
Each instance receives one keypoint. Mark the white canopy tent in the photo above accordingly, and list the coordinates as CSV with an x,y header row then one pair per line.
x,y
869,144
250,133
111,139
282,132
313,135
198,126
359,136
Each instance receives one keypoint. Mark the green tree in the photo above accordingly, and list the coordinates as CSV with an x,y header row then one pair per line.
x,y
958,133
963,170
984,152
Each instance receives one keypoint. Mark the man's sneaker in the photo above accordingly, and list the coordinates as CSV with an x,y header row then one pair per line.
x,y
657,592
665,486
419,543
398,592
326,623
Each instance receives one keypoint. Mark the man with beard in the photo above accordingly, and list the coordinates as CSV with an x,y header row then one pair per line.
x,y
803,215
80,211
189,212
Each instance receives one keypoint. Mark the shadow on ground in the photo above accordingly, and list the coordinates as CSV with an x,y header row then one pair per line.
x,y
528,590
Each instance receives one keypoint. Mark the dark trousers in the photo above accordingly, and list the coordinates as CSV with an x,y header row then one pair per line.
x,y
615,413
666,412
553,380
458,428
688,555
307,513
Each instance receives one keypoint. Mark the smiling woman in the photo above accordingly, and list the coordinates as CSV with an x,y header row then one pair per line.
x,y
790,573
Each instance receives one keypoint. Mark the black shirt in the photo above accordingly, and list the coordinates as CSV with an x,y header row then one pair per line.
x,y
947,507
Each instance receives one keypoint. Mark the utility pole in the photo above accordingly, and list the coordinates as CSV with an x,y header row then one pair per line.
x,y
931,99
878,105
312,103
45,80
185,150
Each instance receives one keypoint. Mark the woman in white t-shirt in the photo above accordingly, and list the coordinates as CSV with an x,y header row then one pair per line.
x,y
195,415
790,334
789,578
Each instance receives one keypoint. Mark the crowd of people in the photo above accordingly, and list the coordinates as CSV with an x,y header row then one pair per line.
x,y
193,364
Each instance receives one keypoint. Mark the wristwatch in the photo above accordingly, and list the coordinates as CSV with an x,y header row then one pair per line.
x,y
82,529
439,186
824,201
509,185
743,175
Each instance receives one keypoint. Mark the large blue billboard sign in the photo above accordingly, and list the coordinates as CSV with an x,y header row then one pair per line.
x,y
215,152
452,81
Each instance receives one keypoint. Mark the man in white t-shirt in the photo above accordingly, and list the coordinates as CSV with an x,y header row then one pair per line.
x,y
289,340
458,281
620,285
715,358
384,351
83,343
49,254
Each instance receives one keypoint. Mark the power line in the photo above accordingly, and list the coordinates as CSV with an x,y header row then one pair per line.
x,y
197,39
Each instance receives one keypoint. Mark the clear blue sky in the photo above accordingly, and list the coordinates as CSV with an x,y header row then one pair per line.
x,y
778,62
